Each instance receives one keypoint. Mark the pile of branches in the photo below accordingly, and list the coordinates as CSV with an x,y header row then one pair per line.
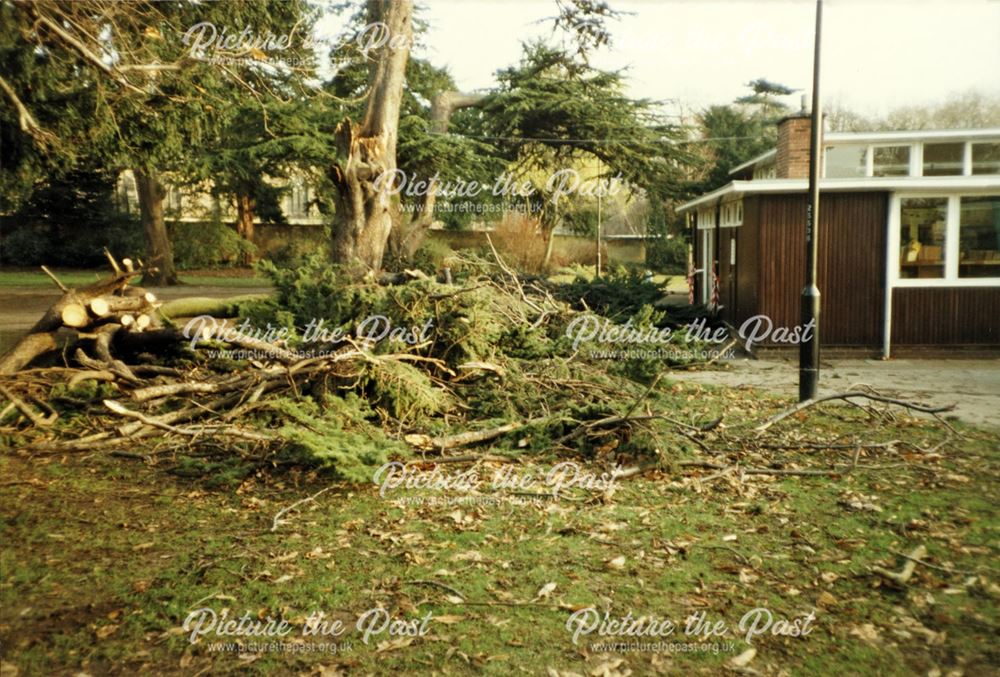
x,y
490,364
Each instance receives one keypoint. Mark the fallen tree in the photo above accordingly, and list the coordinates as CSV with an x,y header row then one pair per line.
x,y
484,361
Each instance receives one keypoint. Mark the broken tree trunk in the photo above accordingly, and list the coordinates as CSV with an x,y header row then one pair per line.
x,y
365,208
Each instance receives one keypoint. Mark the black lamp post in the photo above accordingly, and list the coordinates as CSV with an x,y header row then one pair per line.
x,y
809,349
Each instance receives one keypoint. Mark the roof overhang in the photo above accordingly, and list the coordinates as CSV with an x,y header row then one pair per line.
x,y
916,184
916,135
749,163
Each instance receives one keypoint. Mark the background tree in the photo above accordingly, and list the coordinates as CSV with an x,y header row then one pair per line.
x,y
267,133
734,133
155,99
970,109
554,111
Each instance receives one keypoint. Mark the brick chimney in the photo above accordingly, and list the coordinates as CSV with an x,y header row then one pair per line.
x,y
792,156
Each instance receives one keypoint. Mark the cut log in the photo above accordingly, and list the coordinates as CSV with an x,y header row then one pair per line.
x,y
73,309
127,320
100,307
74,315
127,304
142,322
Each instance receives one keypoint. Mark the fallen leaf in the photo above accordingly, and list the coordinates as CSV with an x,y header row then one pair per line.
x,y
470,556
393,644
448,619
826,599
743,659
617,563
106,631
867,633
544,591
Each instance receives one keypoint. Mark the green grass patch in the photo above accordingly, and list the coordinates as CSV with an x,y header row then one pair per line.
x,y
79,278
105,557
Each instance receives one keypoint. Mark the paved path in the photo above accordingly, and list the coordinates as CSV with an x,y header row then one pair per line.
x,y
972,384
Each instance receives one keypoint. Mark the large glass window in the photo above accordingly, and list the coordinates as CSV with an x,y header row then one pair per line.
x,y
979,237
845,161
986,158
923,226
943,159
891,161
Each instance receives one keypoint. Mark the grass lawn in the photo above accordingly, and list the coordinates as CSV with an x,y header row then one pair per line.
x,y
24,277
105,557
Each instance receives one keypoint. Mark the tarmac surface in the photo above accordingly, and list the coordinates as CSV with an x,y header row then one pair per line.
x,y
973,385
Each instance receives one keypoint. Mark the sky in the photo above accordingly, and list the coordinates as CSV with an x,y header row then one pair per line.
x,y
877,54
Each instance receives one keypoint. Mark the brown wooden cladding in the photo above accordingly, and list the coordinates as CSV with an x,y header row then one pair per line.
x,y
946,315
770,274
851,269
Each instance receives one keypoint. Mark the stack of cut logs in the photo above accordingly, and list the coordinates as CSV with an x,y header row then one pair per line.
x,y
96,312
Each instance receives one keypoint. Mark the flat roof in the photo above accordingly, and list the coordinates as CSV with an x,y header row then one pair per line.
x,y
736,189
911,136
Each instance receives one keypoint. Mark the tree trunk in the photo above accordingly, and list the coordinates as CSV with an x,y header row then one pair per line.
x,y
245,205
550,240
161,252
407,236
365,206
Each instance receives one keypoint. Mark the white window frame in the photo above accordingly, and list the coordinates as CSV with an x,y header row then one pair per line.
x,y
731,214
916,155
951,242
868,158
966,157
707,264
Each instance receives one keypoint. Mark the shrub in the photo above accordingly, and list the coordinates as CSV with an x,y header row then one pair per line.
x,y
25,247
432,256
518,238
667,255
76,245
205,244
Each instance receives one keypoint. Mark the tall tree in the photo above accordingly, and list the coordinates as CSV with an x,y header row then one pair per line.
x,y
732,134
553,112
158,96
268,135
